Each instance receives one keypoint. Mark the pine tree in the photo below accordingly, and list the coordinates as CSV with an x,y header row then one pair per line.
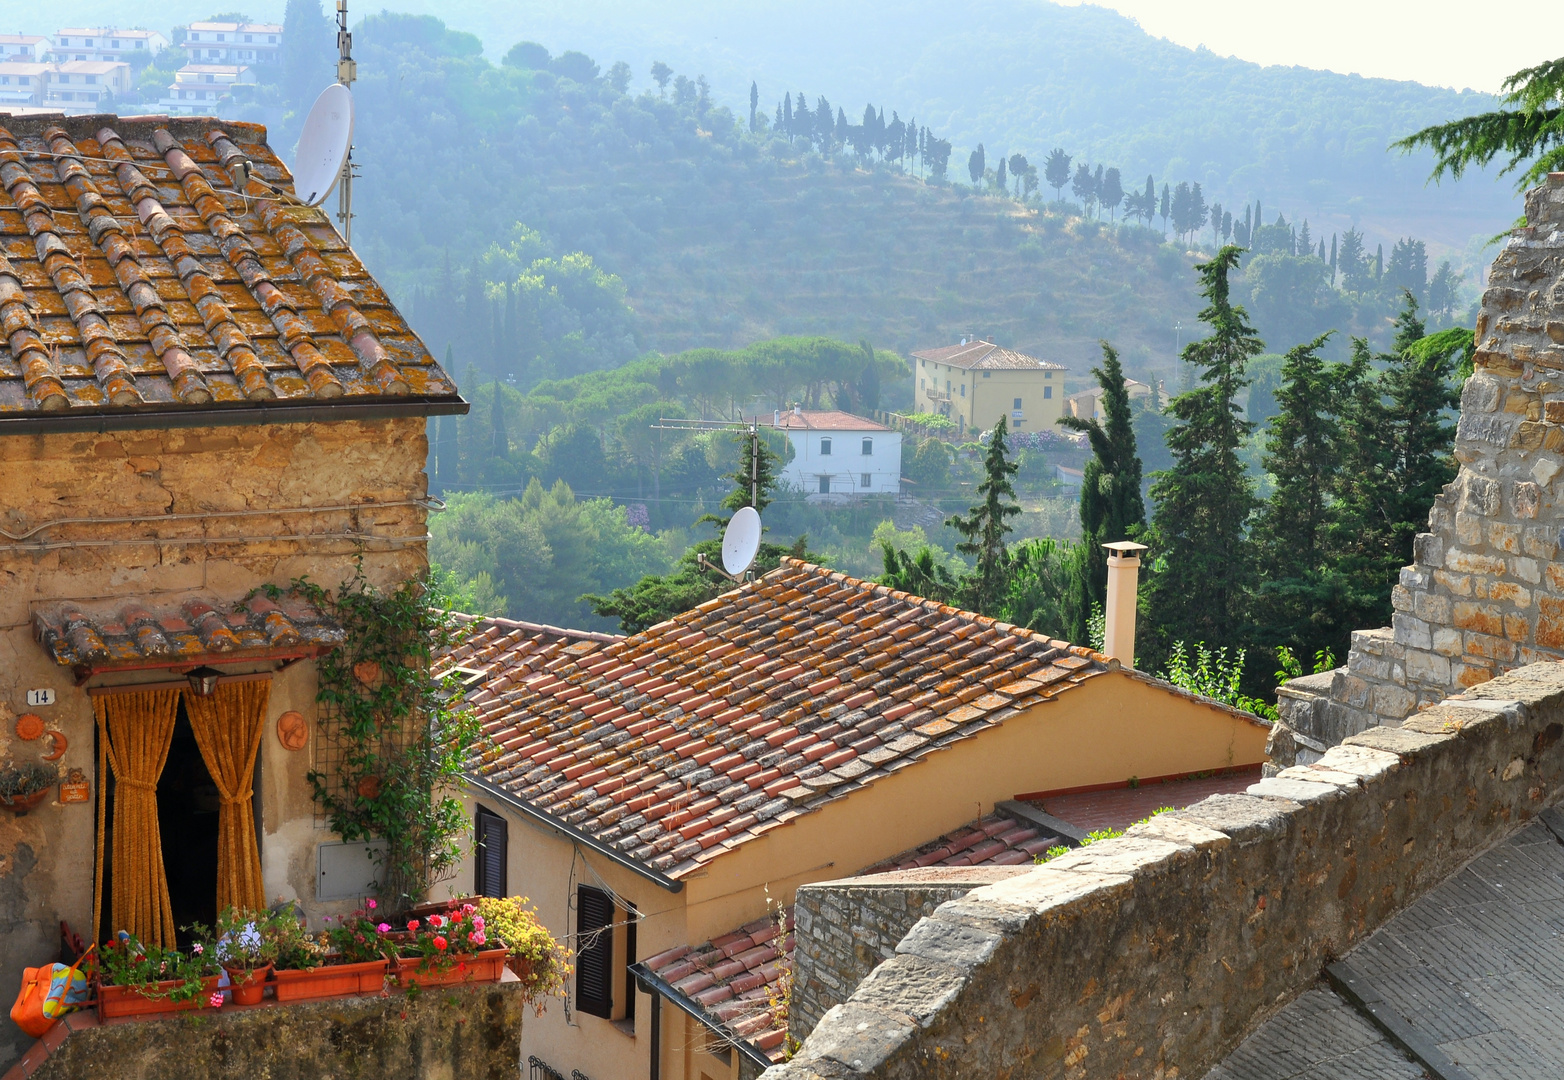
x,y
1111,506
1203,502
1056,171
1018,169
1084,186
1298,602
984,527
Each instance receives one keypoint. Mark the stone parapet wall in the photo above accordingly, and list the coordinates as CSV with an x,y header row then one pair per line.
x,y
844,929
459,1031
1484,593
1154,954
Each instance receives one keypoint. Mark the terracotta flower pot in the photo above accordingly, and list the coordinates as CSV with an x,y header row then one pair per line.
x,y
129,1001
20,804
248,991
484,967
334,980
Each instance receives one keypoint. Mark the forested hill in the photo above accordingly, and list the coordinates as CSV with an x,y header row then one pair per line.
x,y
480,181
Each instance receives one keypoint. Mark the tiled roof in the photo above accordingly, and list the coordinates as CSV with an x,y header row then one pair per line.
x,y
134,277
507,643
690,738
985,355
128,631
822,420
736,981
995,840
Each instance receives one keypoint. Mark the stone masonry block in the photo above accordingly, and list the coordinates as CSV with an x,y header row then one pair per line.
x,y
1401,598
1510,593
1393,702
1504,536
1555,572
1527,570
1490,648
1428,549
1481,496
1480,394
1540,542
1431,608
1415,578
1428,668
1468,562
1455,584
1525,497
1517,626
1483,618
1550,622
1447,642
1373,668
1468,529
1412,632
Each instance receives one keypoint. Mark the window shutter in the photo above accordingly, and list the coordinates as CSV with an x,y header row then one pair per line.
x,y
492,834
594,952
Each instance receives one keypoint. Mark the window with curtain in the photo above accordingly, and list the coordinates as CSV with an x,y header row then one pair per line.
x,y
594,952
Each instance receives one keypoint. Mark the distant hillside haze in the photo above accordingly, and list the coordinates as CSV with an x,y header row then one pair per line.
x,y
1022,75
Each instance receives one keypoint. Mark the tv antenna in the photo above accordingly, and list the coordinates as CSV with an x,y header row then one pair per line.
x,y
323,145
741,539
347,73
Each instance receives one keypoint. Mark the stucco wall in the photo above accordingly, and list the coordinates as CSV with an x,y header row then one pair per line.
x,y
1042,395
1154,954
846,463
47,857
1109,728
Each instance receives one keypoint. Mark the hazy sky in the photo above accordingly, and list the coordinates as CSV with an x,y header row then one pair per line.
x,y
1439,42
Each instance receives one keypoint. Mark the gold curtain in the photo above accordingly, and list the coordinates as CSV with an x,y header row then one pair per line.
x,y
135,731
228,730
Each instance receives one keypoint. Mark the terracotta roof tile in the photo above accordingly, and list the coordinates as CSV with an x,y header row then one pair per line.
x,y
711,733
137,273
735,980
996,840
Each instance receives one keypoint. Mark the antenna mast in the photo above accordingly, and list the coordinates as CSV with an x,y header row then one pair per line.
x,y
347,73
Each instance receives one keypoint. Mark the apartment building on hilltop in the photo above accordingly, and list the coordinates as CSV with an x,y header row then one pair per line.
x,y
975,382
27,47
197,88
83,86
233,43
105,45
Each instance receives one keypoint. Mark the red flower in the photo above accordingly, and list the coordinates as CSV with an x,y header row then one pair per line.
x,y
412,925
440,943
436,921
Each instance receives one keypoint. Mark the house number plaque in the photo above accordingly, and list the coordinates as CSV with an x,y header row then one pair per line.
x,y
40,697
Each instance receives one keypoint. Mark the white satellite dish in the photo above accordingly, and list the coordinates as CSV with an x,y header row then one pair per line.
x,y
323,146
741,541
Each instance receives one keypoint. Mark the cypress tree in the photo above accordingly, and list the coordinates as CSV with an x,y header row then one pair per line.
x,y
1199,590
984,527
754,104
1332,259
1299,602
1111,506
787,115
501,448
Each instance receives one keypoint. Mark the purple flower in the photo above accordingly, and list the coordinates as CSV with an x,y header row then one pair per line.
x,y
384,928
371,905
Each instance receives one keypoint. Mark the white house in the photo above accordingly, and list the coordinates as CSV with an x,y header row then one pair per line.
x,y
106,44
197,88
25,48
233,43
837,453
22,83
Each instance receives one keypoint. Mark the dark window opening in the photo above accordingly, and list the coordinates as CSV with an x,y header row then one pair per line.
x,y
491,835
825,485
825,447
594,952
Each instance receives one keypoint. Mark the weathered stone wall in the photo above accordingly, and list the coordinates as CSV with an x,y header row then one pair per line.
x,y
1154,954
46,858
469,1032
844,929
1483,593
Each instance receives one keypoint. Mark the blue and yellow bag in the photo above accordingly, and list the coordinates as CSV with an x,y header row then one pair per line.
x,y
48,993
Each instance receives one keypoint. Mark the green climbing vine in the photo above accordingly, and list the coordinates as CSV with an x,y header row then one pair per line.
x,y
400,734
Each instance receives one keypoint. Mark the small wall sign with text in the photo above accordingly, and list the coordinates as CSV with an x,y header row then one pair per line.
x,y
40,697
75,788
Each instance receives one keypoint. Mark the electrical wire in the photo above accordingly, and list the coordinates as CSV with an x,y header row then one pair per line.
x,y
356,537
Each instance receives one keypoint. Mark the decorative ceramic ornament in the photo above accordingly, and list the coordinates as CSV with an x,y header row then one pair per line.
x,y
58,739
74,788
29,726
292,731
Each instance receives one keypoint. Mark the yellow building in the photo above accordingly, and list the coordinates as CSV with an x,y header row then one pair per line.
x,y
976,382
660,796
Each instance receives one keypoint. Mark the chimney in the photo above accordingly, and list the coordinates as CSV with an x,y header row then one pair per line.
x,y
798,410
1123,581
776,420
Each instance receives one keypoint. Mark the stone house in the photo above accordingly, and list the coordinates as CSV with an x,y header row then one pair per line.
x,y
660,797
202,394
976,382
1485,591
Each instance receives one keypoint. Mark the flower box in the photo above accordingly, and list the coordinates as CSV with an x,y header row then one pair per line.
x,y
484,967
21,804
333,980
129,1001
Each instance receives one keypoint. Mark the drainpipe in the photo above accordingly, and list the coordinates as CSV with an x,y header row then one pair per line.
x,y
657,1036
1119,619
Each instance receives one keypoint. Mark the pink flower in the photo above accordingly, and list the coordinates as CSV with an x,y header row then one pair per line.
x,y
384,928
216,1000
371,905
476,937
468,909
412,926
440,943
477,922
436,921
198,948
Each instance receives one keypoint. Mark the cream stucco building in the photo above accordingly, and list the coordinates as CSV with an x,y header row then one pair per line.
x,y
976,382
